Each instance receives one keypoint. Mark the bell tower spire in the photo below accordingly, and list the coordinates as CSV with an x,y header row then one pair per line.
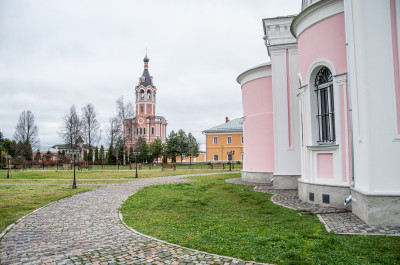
x,y
146,61
145,93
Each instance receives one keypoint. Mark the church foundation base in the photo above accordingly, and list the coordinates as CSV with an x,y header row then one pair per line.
x,y
376,209
284,182
257,177
324,195
280,182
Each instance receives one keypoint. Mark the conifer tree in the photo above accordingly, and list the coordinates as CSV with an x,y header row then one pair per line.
x,y
172,147
131,155
85,155
101,155
96,154
111,159
156,149
193,147
90,155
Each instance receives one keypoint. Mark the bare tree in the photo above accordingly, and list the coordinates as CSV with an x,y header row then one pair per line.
x,y
125,111
72,128
113,131
26,130
90,125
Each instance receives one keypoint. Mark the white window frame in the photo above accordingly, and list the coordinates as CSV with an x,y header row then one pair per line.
x,y
242,140
227,140
215,140
215,155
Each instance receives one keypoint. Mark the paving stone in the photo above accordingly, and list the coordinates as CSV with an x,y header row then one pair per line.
x,y
86,229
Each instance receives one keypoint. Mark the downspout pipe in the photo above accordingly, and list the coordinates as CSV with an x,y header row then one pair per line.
x,y
350,106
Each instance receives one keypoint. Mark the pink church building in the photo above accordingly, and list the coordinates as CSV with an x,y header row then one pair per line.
x,y
146,123
323,116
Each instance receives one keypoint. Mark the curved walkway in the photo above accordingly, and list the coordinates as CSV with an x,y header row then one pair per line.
x,y
86,229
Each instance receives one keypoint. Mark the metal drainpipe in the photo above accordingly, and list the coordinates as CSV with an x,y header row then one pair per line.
x,y
350,102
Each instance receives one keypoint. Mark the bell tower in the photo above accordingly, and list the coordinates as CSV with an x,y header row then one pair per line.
x,y
145,93
146,123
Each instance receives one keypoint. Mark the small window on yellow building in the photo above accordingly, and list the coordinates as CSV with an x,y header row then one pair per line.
x,y
215,157
215,139
229,141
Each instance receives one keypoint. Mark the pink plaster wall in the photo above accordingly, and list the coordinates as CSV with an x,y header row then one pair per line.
x,y
395,59
258,125
343,131
325,166
324,40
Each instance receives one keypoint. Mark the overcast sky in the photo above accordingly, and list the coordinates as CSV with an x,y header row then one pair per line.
x,y
54,54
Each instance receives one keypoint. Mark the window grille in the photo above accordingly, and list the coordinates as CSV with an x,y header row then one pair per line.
x,y
326,114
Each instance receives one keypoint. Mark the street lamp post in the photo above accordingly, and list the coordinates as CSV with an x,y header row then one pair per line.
x,y
8,171
151,162
230,157
74,183
136,154
74,153
190,158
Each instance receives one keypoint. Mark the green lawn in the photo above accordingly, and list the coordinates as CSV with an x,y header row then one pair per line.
x,y
84,174
17,201
62,181
218,217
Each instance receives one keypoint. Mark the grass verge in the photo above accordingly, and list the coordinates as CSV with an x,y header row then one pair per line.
x,y
62,181
69,174
17,201
218,217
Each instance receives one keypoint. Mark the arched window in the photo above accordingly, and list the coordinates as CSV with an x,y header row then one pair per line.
x,y
140,131
148,94
325,102
144,130
152,130
141,94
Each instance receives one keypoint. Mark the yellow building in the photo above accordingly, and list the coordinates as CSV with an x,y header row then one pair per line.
x,y
186,159
225,141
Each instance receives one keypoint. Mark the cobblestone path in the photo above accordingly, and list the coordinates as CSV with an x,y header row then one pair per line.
x,y
86,229
335,220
